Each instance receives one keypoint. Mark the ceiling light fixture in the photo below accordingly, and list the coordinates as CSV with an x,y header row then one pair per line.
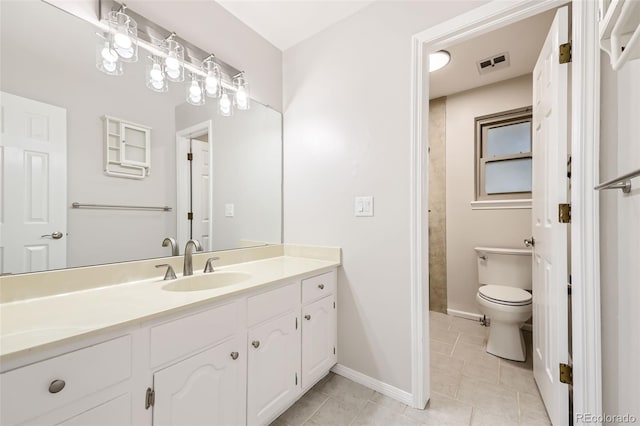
x,y
438,60
170,57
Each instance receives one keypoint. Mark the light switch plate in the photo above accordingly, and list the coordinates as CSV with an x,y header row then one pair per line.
x,y
228,210
364,206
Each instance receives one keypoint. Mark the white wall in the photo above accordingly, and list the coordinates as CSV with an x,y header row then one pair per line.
x,y
347,125
467,228
620,240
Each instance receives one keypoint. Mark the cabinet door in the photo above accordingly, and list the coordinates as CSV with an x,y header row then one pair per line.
x,y
318,339
114,412
274,364
205,389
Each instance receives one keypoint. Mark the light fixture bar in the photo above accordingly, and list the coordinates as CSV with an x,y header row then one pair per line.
x,y
150,35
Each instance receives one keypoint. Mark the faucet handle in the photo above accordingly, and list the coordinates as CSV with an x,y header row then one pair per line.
x,y
209,266
170,274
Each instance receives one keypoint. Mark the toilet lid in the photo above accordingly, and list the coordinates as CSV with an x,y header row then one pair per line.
x,y
505,295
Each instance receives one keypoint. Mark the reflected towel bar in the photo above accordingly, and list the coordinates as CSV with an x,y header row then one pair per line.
x,y
623,182
77,205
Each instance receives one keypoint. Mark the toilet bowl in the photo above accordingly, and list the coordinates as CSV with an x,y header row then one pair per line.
x,y
507,308
504,276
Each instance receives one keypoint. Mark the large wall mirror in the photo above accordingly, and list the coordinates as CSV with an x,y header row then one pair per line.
x,y
57,111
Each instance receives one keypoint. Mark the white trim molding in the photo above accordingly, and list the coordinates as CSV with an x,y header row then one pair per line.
x,y
585,215
375,384
501,204
584,235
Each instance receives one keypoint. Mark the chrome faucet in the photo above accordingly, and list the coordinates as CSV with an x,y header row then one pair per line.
x,y
188,253
174,246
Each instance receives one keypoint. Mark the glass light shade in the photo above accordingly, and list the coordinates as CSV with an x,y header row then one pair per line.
x,y
213,80
225,108
241,97
107,59
195,91
124,33
438,60
155,76
174,61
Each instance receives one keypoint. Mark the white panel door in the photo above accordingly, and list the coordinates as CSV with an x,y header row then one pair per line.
x,y
33,191
201,193
550,188
318,339
273,370
206,389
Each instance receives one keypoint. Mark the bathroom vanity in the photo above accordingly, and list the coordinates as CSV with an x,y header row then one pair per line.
x,y
159,352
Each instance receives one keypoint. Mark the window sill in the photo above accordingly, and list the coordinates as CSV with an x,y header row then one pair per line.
x,y
501,204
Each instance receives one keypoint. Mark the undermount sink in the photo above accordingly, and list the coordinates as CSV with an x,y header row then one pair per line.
x,y
206,281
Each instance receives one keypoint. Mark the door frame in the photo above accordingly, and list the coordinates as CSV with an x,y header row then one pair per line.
x,y
585,257
182,197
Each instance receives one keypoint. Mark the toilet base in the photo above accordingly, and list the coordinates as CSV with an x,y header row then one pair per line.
x,y
506,341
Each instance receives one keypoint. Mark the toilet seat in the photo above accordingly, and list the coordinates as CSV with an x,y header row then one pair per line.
x,y
502,295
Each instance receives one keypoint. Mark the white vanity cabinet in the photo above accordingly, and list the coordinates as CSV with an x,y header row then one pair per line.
x,y
199,365
88,386
273,379
205,389
319,327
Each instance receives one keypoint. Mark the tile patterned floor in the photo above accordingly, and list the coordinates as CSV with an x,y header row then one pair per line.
x,y
469,387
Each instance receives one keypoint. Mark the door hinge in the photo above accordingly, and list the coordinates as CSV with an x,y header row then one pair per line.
x,y
566,374
565,53
569,168
150,398
564,213
190,216
189,156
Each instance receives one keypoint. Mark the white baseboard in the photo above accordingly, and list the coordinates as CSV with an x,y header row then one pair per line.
x,y
477,317
375,384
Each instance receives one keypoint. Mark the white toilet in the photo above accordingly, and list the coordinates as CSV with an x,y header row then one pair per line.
x,y
504,275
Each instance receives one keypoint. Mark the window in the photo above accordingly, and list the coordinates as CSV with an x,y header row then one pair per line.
x,y
503,155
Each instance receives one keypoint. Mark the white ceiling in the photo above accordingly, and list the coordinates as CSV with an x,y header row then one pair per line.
x,y
523,40
286,23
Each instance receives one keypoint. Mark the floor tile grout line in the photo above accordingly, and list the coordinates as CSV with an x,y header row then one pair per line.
x,y
317,409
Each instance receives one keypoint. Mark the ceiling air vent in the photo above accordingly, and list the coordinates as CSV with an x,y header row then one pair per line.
x,y
493,63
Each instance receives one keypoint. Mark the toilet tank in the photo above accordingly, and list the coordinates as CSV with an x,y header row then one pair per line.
x,y
504,266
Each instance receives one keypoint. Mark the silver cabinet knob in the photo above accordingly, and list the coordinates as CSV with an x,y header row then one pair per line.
x,y
529,242
321,286
307,317
56,386
55,235
234,355
255,343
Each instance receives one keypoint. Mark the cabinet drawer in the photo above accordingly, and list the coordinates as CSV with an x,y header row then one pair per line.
x,y
272,303
26,391
184,336
319,286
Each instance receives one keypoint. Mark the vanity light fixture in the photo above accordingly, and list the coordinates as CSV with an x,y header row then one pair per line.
x,y
224,105
124,32
213,80
195,91
174,60
156,77
438,60
241,98
107,59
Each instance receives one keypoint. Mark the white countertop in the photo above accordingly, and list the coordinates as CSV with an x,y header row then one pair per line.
x,y
39,323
